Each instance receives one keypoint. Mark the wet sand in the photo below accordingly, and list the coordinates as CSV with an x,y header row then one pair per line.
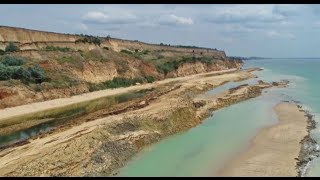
x,y
274,149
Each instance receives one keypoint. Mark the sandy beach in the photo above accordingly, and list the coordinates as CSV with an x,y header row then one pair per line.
x,y
274,149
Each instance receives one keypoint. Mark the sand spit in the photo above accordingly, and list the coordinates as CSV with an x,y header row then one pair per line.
x,y
275,149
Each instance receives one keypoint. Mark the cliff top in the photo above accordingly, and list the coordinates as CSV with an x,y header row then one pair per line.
x,y
24,35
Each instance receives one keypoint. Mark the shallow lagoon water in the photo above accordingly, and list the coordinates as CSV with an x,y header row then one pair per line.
x,y
203,150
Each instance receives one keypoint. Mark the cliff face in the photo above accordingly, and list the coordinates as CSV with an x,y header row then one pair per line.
x,y
22,35
73,71
32,39
198,67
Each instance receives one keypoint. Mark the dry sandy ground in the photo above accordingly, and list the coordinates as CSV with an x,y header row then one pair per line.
x,y
274,149
40,106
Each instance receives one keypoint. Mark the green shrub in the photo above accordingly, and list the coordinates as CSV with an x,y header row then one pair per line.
x,y
145,51
174,64
89,39
56,48
149,79
2,52
120,82
33,74
5,72
38,74
11,47
126,51
22,74
167,66
136,53
12,61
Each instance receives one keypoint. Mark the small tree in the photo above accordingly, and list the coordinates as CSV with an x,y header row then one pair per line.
x,y
12,47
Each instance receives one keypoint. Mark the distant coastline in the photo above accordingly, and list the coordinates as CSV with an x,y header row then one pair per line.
x,y
258,58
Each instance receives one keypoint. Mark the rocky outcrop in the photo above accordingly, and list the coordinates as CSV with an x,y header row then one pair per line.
x,y
309,147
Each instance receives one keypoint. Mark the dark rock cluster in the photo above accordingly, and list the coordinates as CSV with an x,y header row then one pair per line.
x,y
309,147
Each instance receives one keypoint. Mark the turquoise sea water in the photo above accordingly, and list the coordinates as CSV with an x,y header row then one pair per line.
x,y
203,150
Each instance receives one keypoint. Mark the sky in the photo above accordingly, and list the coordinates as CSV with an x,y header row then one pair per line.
x,y
288,30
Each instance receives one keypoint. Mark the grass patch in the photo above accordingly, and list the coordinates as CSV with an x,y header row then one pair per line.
x,y
64,81
66,59
137,54
56,48
120,82
171,65
93,55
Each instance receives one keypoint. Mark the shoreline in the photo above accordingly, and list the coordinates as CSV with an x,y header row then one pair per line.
x,y
309,147
274,150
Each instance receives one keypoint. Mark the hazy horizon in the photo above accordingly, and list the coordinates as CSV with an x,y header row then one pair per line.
x,y
239,30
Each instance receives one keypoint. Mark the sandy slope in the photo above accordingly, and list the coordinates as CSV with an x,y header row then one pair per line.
x,y
274,149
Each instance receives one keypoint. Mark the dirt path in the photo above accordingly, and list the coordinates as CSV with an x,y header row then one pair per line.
x,y
274,149
56,103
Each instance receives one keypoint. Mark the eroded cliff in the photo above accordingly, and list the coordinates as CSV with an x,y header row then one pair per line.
x,y
74,65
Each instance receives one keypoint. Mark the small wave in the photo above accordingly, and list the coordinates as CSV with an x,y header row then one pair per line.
x,y
292,77
305,169
308,108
